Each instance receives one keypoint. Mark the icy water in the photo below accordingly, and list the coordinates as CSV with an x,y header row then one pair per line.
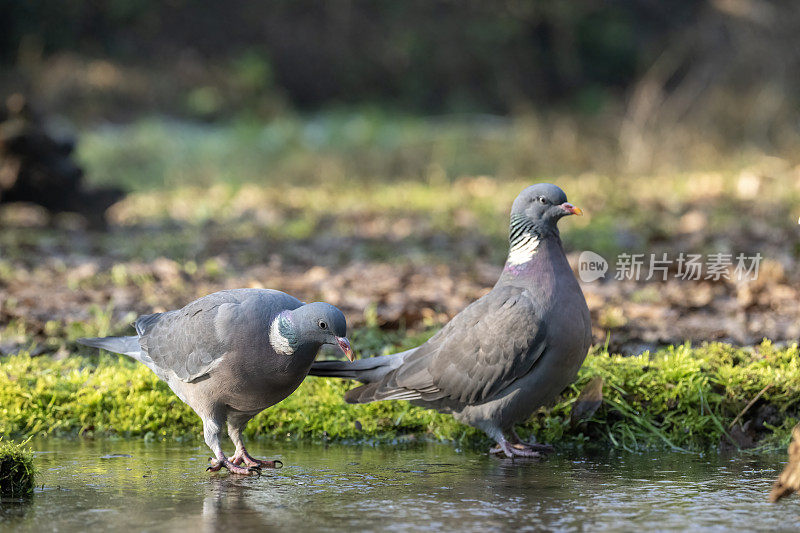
x,y
138,486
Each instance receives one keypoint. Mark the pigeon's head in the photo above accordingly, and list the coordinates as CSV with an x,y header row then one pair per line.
x,y
317,323
543,204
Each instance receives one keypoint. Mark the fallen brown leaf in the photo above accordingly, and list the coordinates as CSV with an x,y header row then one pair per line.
x,y
789,480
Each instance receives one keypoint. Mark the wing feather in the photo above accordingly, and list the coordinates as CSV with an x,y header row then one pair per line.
x,y
483,350
190,341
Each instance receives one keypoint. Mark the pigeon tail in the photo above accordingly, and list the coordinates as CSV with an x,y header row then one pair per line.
x,y
364,370
122,345
363,394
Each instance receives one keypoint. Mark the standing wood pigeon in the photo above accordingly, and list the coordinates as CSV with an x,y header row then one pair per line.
x,y
506,354
232,354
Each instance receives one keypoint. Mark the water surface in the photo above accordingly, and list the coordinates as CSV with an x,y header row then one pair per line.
x,y
132,485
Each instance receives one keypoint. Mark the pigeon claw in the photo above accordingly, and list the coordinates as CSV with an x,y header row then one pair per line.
x,y
520,444
514,450
243,457
242,471
215,465
233,468
258,463
536,447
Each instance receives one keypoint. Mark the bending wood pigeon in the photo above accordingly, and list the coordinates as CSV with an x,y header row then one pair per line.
x,y
232,354
505,355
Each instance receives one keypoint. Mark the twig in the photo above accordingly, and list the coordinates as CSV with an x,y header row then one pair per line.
x,y
749,405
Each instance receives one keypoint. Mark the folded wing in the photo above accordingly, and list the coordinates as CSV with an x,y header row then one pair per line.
x,y
189,342
484,349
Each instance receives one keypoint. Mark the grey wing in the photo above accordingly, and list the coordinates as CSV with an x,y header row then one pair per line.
x,y
191,341
484,349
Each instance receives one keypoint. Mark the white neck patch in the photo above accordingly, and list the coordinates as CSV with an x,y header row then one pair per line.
x,y
523,250
278,341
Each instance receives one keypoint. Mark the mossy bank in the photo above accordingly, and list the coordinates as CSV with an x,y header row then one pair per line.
x,y
16,470
692,398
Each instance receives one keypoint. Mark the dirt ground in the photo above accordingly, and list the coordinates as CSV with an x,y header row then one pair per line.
x,y
59,280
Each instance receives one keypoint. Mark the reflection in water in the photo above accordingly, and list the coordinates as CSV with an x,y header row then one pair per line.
x,y
164,487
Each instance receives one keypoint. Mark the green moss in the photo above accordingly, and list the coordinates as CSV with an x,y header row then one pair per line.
x,y
16,469
681,397
684,397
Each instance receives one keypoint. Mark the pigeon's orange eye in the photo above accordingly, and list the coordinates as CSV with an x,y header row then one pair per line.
x,y
323,325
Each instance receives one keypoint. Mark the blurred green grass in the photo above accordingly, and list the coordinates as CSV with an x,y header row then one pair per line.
x,y
297,177
348,146
364,145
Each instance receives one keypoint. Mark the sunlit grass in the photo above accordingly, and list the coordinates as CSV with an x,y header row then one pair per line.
x,y
681,398
16,469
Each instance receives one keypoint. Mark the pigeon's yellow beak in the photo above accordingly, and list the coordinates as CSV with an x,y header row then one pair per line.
x,y
571,209
344,344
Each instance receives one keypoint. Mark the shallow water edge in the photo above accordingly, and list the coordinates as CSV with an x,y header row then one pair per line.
x,y
159,486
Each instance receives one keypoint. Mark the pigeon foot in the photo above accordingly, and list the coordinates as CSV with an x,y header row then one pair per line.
x,y
247,459
535,446
217,465
515,450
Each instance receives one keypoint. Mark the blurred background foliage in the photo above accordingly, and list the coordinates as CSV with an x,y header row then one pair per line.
x,y
630,87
